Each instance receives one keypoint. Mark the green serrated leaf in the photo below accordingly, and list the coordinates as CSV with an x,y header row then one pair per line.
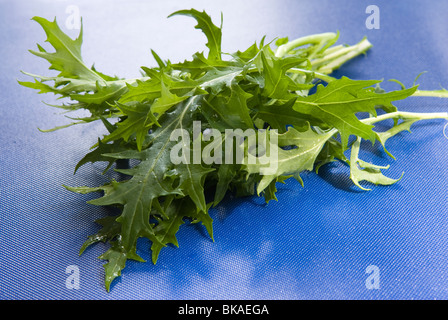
x,y
104,93
137,123
98,154
67,58
229,110
280,116
226,174
277,84
364,171
271,190
397,128
165,101
110,229
211,31
307,146
338,103
216,80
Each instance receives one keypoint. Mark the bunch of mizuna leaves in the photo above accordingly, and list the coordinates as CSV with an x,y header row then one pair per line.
x,y
283,88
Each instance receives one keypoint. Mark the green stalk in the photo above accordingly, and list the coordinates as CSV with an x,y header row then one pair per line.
x,y
333,60
400,115
431,93
311,39
406,115
316,74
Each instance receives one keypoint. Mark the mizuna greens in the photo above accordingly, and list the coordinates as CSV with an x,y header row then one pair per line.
x,y
283,87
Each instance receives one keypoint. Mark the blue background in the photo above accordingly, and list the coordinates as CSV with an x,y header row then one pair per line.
x,y
314,243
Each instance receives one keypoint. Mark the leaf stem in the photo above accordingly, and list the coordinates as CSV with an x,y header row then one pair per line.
x,y
334,59
406,115
316,74
431,93
311,39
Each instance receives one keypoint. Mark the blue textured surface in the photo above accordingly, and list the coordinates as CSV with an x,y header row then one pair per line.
x,y
314,243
